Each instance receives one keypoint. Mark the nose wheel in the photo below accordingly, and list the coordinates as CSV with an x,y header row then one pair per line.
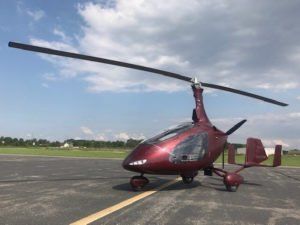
x,y
138,182
187,180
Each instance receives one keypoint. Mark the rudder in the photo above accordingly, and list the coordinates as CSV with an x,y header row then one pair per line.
x,y
277,156
231,154
255,151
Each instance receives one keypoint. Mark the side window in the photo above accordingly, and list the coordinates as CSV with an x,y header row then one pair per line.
x,y
193,148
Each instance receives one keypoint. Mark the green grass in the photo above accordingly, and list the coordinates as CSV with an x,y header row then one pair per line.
x,y
287,160
97,153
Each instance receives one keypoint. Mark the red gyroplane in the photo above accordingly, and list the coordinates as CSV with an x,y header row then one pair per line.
x,y
189,147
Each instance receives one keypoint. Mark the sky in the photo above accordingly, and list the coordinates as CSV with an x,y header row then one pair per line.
x,y
253,46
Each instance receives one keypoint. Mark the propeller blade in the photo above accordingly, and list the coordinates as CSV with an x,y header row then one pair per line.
x,y
215,86
96,59
235,127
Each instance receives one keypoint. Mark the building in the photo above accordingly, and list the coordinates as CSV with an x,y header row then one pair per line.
x,y
67,145
269,151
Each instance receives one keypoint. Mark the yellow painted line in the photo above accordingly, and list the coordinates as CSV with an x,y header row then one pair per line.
x,y
98,215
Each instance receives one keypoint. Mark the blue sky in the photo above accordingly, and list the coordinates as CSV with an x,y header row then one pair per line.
x,y
251,47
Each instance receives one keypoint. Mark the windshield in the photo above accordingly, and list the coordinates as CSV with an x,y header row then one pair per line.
x,y
170,133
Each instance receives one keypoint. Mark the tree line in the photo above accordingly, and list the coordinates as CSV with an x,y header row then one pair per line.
x,y
20,142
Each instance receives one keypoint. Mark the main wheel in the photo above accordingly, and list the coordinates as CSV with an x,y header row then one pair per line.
x,y
138,182
187,180
231,188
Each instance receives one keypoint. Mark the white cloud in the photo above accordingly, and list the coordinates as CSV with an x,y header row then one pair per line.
x,y
86,130
100,137
125,136
233,48
122,136
298,97
50,77
58,32
270,127
36,15
272,143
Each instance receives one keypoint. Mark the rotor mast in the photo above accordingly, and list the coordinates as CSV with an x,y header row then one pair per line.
x,y
199,114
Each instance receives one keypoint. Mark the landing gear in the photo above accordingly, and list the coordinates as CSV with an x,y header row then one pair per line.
x,y
232,181
208,171
188,177
231,188
187,180
138,182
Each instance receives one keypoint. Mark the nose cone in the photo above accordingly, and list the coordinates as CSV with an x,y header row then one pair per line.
x,y
138,159
126,162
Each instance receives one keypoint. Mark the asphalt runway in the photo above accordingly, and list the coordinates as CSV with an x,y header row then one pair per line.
x,y
52,190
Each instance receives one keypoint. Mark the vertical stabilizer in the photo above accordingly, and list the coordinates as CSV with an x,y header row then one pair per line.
x,y
231,154
255,151
277,156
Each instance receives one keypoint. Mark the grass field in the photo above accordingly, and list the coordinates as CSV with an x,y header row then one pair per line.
x,y
103,153
287,160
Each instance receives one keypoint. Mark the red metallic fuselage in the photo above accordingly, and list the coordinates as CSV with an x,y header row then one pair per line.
x,y
183,150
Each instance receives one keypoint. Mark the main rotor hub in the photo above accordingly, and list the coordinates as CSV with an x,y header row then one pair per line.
x,y
196,83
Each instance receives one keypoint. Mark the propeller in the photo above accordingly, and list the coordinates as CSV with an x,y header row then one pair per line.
x,y
230,131
235,127
137,67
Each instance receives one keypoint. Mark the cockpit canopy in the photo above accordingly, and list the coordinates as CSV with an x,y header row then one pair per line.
x,y
193,148
170,133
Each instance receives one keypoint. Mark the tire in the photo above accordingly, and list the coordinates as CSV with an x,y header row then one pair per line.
x,y
138,186
231,188
187,180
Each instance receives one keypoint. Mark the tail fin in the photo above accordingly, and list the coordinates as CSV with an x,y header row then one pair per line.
x,y
277,156
255,151
231,154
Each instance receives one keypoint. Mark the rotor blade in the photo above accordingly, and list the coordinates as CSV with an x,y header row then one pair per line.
x,y
215,86
96,59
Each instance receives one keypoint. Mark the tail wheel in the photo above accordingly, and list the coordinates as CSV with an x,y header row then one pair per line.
x,y
138,182
187,180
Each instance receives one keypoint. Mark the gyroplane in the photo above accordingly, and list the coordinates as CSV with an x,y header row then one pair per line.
x,y
190,147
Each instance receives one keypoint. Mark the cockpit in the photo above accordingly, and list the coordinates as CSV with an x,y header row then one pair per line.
x,y
193,148
172,132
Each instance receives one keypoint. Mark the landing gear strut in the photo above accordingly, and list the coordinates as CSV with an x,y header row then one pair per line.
x,y
230,180
138,182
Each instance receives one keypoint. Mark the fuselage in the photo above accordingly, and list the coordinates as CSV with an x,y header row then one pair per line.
x,y
184,149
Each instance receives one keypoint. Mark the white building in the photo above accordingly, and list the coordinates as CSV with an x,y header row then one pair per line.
x,y
269,151
67,145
